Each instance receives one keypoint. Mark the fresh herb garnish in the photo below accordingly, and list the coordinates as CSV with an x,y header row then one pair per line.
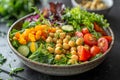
x,y
2,34
16,70
2,59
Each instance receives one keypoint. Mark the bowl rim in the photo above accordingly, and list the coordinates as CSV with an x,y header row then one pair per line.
x,y
74,2
50,65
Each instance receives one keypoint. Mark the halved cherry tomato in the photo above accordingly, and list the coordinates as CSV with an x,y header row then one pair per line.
x,y
103,44
94,50
85,30
99,29
90,39
79,34
109,38
83,54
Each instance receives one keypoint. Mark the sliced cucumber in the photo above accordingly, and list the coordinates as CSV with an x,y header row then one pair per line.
x,y
67,28
24,50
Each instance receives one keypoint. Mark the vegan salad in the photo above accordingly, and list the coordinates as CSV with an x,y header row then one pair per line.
x,y
62,36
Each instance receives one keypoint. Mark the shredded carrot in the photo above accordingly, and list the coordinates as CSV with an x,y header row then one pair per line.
x,y
33,34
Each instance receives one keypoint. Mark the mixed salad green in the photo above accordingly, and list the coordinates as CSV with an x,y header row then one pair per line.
x,y
75,36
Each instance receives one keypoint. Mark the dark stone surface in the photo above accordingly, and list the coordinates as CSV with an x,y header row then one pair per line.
x,y
109,69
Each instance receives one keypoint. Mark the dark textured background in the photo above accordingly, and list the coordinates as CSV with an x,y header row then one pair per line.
x,y
109,69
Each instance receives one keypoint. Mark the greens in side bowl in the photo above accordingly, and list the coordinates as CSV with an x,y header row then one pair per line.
x,y
62,36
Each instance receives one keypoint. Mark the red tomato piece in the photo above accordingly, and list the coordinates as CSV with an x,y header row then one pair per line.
x,y
89,39
103,44
83,54
99,29
85,30
79,34
94,50
109,38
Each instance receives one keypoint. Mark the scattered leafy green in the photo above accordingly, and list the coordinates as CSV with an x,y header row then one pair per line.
x,y
2,59
16,70
10,79
0,70
2,34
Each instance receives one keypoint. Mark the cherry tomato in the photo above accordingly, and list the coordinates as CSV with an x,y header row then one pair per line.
x,y
109,38
103,44
94,50
99,29
79,34
85,30
83,54
90,39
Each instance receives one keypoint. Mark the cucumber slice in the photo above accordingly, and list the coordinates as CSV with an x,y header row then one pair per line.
x,y
24,50
67,28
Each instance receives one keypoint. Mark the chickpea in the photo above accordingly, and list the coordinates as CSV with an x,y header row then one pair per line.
x,y
59,31
51,34
65,40
71,43
50,49
87,47
78,47
49,39
57,35
57,28
73,52
59,45
59,41
87,5
54,40
79,41
74,57
73,49
58,57
62,35
58,50
66,46
72,61
68,37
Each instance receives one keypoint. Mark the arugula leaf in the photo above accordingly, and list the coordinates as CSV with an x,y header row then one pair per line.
x,y
15,43
97,56
16,70
25,24
2,59
42,55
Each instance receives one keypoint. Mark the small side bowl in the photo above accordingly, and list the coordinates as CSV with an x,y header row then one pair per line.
x,y
56,69
109,4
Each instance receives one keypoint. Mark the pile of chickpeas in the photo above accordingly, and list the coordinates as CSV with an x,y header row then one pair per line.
x,y
93,4
64,44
